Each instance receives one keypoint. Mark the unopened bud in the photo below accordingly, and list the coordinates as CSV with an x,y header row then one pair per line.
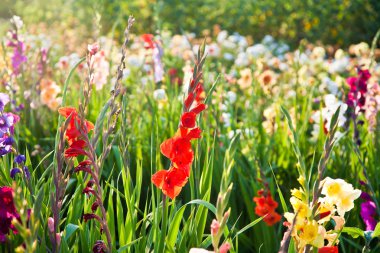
x,y
58,239
51,224
224,248
227,214
214,227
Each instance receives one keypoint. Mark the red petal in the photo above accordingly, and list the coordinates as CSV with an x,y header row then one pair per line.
x,y
199,108
188,119
159,177
66,111
194,133
189,100
166,147
328,249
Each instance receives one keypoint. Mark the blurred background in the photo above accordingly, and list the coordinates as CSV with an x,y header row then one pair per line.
x,y
335,22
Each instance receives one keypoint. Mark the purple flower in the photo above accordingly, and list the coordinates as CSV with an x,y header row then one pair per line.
x,y
7,122
27,172
4,99
20,159
18,57
6,145
14,171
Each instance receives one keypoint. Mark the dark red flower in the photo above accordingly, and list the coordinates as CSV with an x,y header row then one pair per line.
x,y
84,166
7,212
328,249
99,247
91,216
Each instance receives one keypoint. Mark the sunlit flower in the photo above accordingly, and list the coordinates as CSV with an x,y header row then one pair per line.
x,y
340,193
101,69
49,93
245,80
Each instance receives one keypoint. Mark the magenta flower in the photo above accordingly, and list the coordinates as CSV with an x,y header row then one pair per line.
x,y
358,88
368,211
18,57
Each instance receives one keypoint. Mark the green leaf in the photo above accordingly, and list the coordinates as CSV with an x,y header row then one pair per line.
x,y
334,120
70,230
253,223
353,232
121,249
38,203
174,227
210,206
376,232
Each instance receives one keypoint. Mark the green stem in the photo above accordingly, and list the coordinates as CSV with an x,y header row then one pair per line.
x,y
164,224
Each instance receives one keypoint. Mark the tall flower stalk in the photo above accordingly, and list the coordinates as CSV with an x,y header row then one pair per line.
x,y
77,134
178,148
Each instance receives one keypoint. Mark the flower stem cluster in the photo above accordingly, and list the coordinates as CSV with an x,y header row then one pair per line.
x,y
178,148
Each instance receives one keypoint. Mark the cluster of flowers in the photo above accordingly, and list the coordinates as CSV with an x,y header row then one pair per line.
x,y
15,42
7,122
358,88
77,147
309,222
73,133
8,212
266,207
178,148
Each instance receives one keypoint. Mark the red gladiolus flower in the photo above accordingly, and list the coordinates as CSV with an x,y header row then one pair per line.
x,y
266,206
178,150
170,181
72,132
328,249
272,218
76,149
7,212
199,108
188,119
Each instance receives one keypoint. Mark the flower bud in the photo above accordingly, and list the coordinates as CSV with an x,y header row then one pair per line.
x,y
224,248
214,227
58,239
51,224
